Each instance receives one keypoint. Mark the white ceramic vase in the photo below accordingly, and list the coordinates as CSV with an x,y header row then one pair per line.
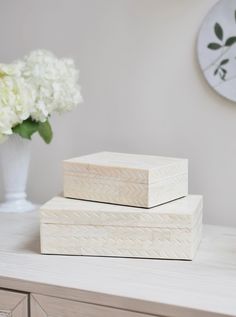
x,y
14,161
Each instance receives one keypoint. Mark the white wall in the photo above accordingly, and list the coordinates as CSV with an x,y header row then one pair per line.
x,y
143,90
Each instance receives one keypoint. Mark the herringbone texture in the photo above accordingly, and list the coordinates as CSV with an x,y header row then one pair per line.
x,y
115,192
121,241
79,227
132,194
178,214
133,180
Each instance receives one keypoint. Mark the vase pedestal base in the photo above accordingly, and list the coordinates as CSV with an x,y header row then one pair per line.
x,y
17,206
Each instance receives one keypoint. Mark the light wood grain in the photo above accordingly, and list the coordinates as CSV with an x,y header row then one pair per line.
x,y
126,179
42,306
13,304
205,287
170,231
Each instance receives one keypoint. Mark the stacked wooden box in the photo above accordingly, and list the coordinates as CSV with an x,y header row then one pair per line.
x,y
123,205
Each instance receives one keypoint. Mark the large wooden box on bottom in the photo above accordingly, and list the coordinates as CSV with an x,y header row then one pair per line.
x,y
126,179
76,227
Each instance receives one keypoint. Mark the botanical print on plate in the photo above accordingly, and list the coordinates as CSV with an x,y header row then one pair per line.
x,y
217,48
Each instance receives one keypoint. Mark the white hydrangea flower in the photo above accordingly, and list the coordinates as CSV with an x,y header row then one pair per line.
x,y
13,69
16,98
35,88
55,82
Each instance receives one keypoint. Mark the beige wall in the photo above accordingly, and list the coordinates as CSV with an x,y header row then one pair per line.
x,y
142,87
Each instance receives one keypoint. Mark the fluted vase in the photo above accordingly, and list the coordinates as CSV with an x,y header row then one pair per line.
x,y
14,162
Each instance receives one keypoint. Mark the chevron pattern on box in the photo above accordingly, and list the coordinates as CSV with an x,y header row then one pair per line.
x,y
127,179
79,227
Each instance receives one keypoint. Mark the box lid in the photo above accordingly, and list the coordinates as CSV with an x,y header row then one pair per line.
x,y
136,168
181,213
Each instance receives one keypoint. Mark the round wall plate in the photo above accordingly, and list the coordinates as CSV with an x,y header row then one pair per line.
x,y
217,48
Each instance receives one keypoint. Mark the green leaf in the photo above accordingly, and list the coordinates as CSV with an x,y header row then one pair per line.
x,y
230,41
214,46
223,73
219,31
45,131
216,71
224,61
26,129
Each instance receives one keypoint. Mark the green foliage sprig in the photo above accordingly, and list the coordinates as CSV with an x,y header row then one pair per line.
x,y
28,127
220,35
224,44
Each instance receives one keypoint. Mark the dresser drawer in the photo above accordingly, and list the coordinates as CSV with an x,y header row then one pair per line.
x,y
42,306
13,304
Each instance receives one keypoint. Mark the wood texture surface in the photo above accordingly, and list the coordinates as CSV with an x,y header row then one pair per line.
x,y
13,304
126,179
204,287
170,231
42,306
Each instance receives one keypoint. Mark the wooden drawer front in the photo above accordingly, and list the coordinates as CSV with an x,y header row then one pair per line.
x,y
13,304
43,306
